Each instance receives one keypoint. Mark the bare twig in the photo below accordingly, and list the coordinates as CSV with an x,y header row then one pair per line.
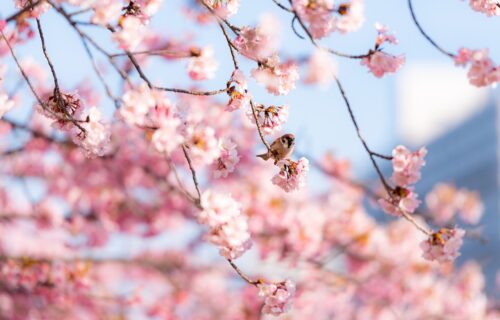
x,y
242,275
22,11
193,173
230,45
259,129
413,16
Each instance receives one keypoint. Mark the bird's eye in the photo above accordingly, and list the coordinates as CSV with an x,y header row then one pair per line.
x,y
283,140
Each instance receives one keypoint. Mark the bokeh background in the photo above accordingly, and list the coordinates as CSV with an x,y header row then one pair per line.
x,y
428,102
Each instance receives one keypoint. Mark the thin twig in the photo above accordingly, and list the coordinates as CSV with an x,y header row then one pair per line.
x,y
317,45
182,188
282,6
158,52
109,93
25,76
413,16
230,45
57,91
193,173
360,136
242,275
192,92
254,112
22,11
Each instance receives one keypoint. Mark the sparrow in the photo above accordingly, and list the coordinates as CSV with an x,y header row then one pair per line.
x,y
281,148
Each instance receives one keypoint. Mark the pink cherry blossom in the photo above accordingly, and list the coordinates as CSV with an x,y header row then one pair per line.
x,y
96,138
203,66
228,159
351,16
402,200
237,91
202,144
381,63
470,206
5,104
489,7
270,118
441,202
279,78
36,11
406,165
224,8
445,201
292,175
463,57
383,35
260,42
443,245
131,34
482,71
317,15
106,11
61,108
167,137
228,228
278,297
321,68
136,104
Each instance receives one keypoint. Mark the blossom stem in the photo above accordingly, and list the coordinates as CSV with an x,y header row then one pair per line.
x,y
259,129
22,11
193,174
242,275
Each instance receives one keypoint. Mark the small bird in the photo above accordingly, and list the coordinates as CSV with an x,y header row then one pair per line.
x,y
281,148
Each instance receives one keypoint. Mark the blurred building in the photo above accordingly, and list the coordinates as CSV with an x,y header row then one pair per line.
x,y
467,156
458,124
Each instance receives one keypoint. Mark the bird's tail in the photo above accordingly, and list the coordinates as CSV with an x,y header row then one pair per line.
x,y
265,156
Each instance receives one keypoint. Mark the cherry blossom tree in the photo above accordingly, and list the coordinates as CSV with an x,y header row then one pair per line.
x,y
126,157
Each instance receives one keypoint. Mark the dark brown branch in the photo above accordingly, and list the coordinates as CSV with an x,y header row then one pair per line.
x,y
230,45
159,52
317,45
360,137
259,129
25,76
242,275
282,6
193,173
22,11
192,92
57,91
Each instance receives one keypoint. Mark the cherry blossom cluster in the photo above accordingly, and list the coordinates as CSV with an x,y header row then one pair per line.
x,y
482,71
321,68
292,175
378,62
323,17
445,201
406,166
443,245
271,119
237,91
489,7
228,159
278,296
278,78
84,125
228,227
